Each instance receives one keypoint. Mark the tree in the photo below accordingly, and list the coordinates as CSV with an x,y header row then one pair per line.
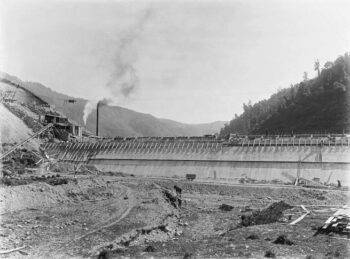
x,y
305,76
328,64
317,67
309,106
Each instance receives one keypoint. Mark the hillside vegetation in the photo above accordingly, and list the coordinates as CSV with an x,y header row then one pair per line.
x,y
319,105
115,120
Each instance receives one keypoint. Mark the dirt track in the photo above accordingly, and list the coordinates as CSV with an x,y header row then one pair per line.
x,y
125,215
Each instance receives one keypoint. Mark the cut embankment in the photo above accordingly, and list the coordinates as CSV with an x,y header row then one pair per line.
x,y
13,129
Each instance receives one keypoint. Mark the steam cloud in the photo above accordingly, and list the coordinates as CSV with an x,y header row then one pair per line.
x,y
91,105
123,78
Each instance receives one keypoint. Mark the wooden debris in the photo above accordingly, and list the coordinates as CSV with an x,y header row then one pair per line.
x,y
307,212
12,250
339,222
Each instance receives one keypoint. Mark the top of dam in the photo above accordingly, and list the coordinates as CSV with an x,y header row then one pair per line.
x,y
238,140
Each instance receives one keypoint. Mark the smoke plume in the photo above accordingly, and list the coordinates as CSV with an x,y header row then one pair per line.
x,y
123,78
105,101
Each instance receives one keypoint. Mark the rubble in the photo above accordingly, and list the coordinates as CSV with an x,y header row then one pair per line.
x,y
149,249
225,207
49,179
105,254
252,237
188,255
175,201
333,254
19,160
269,215
283,240
245,209
21,167
270,254
339,223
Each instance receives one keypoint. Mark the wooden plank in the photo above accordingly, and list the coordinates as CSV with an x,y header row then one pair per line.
x,y
12,250
307,212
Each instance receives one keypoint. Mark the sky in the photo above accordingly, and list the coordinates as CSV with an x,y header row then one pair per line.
x,y
190,61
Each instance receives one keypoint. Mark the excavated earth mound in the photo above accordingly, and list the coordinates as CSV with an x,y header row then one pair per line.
x,y
269,215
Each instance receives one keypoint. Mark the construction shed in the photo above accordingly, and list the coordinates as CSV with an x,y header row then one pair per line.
x,y
63,128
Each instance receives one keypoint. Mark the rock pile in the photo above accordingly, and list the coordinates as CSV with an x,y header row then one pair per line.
x,y
269,215
225,207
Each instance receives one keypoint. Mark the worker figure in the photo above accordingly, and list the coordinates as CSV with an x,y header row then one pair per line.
x,y
178,191
76,170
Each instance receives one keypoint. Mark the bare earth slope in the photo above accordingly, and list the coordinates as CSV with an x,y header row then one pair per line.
x,y
14,130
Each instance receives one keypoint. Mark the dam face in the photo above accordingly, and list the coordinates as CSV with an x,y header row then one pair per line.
x,y
212,160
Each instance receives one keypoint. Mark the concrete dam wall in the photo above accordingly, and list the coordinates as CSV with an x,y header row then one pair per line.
x,y
214,160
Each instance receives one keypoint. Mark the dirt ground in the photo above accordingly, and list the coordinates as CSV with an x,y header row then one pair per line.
x,y
123,217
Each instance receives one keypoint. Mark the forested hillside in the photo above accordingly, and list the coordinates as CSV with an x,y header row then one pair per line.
x,y
318,105
114,120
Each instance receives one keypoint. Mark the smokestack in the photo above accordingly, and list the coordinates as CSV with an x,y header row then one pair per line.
x,y
97,108
99,104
